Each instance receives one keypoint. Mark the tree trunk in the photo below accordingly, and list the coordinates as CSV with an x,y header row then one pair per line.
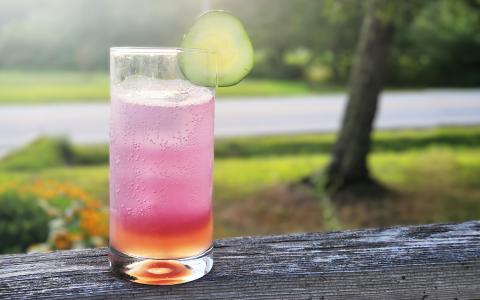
x,y
348,165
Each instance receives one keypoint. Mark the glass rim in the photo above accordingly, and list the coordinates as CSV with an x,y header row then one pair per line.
x,y
156,50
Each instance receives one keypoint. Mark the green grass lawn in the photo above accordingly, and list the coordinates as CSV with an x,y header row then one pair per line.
x,y
434,173
54,86
18,87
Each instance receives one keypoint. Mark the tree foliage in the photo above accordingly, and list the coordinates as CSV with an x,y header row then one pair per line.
x,y
438,44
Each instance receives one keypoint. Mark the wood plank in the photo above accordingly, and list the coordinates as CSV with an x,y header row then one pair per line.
x,y
415,262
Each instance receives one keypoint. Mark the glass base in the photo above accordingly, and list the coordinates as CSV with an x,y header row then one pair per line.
x,y
160,271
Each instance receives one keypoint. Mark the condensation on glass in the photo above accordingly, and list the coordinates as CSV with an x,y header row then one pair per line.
x,y
161,164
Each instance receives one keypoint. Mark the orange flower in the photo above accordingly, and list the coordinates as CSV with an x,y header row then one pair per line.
x,y
62,241
88,212
93,222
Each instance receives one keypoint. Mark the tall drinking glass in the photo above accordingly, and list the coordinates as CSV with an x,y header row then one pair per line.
x,y
161,162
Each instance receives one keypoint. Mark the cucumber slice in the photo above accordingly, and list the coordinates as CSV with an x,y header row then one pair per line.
x,y
224,35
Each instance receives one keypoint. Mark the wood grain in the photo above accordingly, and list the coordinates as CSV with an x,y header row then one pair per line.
x,y
415,262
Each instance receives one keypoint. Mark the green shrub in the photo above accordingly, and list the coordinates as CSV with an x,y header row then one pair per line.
x,y
41,153
22,222
47,152
90,155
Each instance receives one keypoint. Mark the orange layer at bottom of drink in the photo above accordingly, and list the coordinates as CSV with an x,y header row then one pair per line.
x,y
183,240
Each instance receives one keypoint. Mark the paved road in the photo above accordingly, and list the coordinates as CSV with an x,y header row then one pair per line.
x,y
87,123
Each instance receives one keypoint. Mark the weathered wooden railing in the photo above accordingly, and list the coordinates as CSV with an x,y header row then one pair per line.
x,y
416,262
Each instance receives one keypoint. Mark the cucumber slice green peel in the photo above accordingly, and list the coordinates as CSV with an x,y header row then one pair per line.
x,y
224,36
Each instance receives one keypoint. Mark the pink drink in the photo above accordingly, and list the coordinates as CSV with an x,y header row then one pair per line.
x,y
161,160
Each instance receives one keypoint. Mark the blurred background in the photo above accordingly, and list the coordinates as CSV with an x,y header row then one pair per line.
x,y
277,168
